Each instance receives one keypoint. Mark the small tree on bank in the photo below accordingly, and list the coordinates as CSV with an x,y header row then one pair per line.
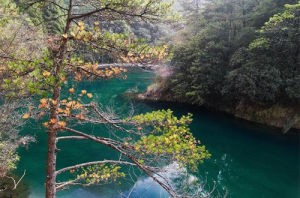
x,y
146,141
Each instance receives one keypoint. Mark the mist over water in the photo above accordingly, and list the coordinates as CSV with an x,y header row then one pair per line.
x,y
247,160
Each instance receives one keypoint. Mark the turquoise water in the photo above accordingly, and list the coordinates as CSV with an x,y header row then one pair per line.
x,y
248,161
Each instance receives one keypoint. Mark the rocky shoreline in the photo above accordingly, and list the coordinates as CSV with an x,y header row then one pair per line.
x,y
276,115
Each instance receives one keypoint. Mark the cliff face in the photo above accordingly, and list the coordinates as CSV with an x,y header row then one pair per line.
x,y
283,117
275,115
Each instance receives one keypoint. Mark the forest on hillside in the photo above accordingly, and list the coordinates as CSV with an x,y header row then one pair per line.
x,y
238,54
242,51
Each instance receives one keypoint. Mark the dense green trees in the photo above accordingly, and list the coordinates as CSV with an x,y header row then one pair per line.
x,y
239,51
270,70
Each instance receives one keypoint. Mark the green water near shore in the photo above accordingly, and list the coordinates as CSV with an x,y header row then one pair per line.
x,y
248,161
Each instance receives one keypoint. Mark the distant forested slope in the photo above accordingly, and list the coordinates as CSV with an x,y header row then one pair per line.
x,y
239,53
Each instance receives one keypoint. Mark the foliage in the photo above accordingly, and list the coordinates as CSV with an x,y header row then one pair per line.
x,y
170,136
239,51
8,157
253,84
10,123
100,173
19,39
38,75
272,64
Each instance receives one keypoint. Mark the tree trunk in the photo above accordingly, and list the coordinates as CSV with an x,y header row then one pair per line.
x,y
51,152
53,129
51,165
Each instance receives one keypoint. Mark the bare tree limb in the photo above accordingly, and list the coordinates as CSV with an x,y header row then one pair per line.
x,y
88,13
150,173
14,181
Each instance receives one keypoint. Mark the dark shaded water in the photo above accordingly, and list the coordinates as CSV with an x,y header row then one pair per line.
x,y
248,161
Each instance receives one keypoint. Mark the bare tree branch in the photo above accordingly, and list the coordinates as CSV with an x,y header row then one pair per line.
x,y
150,173
14,181
89,13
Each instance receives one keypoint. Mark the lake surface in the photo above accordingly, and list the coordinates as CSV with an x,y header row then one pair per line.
x,y
248,161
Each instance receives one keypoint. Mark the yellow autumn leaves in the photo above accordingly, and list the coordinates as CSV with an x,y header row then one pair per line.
x,y
55,121
90,95
26,116
43,104
80,28
93,71
107,72
80,33
64,109
148,55
71,90
46,73
65,36
83,92
62,123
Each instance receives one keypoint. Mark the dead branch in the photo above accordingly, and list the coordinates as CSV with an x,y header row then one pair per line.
x,y
15,184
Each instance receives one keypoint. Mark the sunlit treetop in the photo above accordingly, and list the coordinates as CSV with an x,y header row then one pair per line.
x,y
284,23
169,137
284,19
